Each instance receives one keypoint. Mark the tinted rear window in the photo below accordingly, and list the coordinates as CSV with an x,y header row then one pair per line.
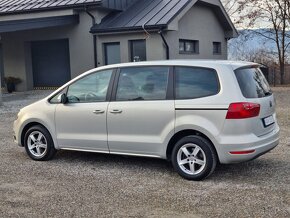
x,y
252,83
195,82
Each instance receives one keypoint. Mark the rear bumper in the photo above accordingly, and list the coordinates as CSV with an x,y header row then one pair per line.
x,y
257,146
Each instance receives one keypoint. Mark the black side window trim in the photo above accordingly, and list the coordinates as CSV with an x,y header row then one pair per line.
x,y
111,83
170,90
115,85
170,86
194,67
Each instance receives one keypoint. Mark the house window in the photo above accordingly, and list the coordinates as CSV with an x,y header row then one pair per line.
x,y
188,46
217,47
112,53
138,50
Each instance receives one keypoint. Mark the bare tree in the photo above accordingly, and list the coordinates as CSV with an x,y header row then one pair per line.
x,y
270,19
234,9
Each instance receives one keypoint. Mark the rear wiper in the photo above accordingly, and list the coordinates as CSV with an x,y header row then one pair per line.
x,y
268,93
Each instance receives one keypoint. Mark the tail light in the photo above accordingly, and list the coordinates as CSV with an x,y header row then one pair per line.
x,y
243,110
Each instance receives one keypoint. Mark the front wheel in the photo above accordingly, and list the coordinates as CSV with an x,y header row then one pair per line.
x,y
39,144
194,158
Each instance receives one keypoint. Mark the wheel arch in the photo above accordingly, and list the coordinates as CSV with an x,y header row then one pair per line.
x,y
183,133
27,127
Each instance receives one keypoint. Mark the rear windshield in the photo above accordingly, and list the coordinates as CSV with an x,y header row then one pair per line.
x,y
252,82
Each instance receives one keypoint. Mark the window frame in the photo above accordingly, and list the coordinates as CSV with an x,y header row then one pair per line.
x,y
109,90
219,48
131,48
195,67
195,46
170,85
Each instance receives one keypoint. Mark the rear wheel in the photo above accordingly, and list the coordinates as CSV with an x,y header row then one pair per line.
x,y
194,158
39,144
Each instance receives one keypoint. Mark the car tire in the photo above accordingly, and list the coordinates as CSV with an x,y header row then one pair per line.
x,y
38,144
194,158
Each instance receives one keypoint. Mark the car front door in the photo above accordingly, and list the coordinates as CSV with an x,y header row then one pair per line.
x,y
141,114
81,122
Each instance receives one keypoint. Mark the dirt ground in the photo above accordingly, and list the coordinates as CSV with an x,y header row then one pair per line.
x,y
76,184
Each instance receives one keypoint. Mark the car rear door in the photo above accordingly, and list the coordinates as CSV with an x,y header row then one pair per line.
x,y
141,115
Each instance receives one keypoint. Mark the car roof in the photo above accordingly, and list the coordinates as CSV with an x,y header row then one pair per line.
x,y
198,63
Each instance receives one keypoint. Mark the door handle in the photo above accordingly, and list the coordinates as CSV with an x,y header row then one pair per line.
x,y
98,111
116,111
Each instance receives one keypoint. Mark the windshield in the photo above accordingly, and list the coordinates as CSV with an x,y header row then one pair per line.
x,y
252,83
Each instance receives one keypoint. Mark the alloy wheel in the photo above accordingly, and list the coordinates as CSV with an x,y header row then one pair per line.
x,y
37,144
191,159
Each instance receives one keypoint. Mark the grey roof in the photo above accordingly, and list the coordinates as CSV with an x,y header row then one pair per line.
x,y
152,13
13,6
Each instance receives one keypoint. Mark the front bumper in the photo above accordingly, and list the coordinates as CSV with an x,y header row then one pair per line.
x,y
16,134
259,146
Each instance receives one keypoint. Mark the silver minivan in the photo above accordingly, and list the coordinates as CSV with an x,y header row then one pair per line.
x,y
193,113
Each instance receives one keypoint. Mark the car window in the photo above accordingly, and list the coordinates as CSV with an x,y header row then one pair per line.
x,y
252,83
57,98
142,83
91,88
193,83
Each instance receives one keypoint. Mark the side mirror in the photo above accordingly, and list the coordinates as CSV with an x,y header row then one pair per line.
x,y
63,98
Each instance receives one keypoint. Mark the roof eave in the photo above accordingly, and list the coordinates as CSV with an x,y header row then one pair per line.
x,y
78,6
37,23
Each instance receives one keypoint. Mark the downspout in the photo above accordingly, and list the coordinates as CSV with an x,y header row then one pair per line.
x,y
94,38
165,43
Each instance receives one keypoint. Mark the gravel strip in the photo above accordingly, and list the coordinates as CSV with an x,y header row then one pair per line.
x,y
77,184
